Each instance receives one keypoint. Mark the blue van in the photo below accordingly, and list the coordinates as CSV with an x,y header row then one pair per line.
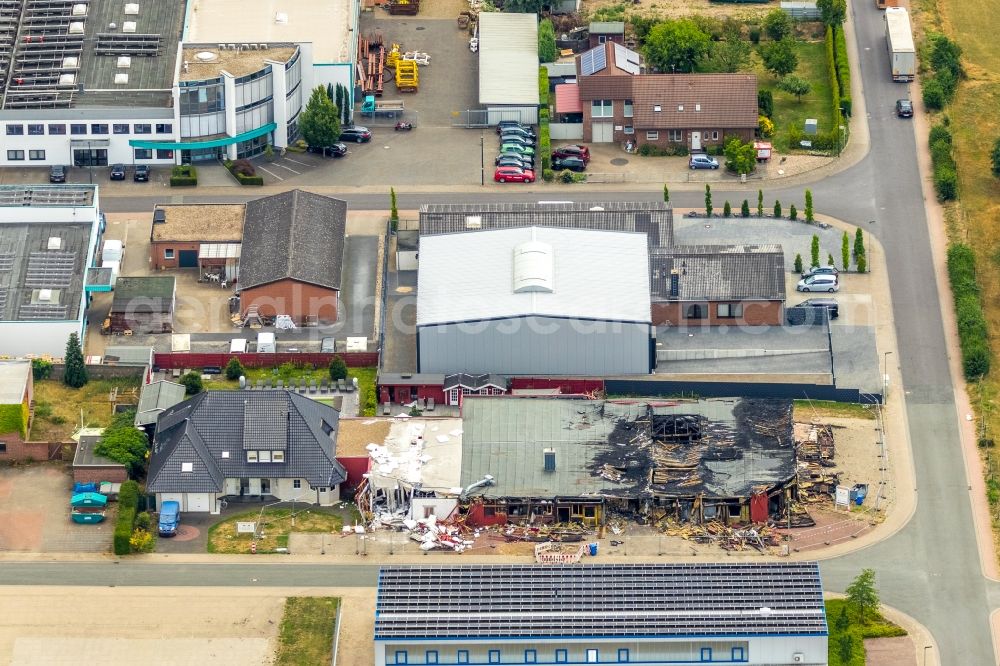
x,y
170,516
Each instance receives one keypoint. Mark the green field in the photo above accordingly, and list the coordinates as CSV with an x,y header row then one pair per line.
x,y
789,112
306,634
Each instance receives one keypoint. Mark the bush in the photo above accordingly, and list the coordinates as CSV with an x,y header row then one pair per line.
x,y
652,150
192,383
545,141
183,175
946,183
972,327
243,167
727,210
40,369
777,210
793,214
745,209
128,501
124,443
234,369
754,34
143,521
766,126
831,67
141,541
548,175
843,68
798,263
338,369
933,94
994,165
945,169
765,103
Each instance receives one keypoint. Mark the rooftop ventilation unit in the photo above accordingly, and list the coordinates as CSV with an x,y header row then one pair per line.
x,y
67,79
55,243
45,295
121,78
79,10
128,26
132,9
76,28
70,63
124,62
112,26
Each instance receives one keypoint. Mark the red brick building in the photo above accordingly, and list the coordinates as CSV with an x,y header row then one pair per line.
x,y
622,102
195,236
16,394
601,32
292,256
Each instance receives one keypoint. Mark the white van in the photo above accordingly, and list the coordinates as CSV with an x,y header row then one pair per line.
x,y
115,267
819,282
265,343
113,251
238,346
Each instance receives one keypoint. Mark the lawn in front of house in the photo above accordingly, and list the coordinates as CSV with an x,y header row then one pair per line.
x,y
277,525
306,634
59,408
818,104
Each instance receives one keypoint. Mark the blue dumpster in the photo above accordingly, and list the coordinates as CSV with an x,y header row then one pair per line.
x,y
593,549
858,493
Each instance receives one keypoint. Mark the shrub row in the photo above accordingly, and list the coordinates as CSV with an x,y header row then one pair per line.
x,y
820,141
652,150
544,139
943,163
128,503
945,61
843,68
183,175
972,331
543,87
831,67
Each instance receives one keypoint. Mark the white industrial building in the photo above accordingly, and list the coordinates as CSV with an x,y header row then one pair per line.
x,y
763,613
534,301
508,66
49,236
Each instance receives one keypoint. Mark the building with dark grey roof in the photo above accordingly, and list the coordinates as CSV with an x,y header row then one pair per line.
x,y
243,445
144,304
48,239
292,256
755,613
731,285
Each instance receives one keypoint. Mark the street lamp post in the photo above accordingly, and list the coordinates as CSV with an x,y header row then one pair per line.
x,y
926,648
482,159
885,374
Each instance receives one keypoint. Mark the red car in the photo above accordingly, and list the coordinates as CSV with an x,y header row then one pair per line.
x,y
513,174
574,150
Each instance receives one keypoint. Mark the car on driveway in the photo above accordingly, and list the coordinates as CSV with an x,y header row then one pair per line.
x,y
518,132
701,161
821,270
571,163
117,172
57,173
572,150
513,175
904,108
517,148
513,161
826,283
357,133
504,124
141,173
828,304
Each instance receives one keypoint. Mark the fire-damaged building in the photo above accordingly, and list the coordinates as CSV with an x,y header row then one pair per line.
x,y
573,460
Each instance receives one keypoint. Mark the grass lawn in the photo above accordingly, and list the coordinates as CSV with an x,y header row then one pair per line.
x,y
58,407
306,634
223,538
806,410
876,626
789,112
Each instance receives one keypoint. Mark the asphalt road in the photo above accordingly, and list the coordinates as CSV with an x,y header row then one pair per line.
x,y
930,569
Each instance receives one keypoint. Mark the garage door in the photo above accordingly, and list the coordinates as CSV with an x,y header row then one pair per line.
x,y
198,502
188,259
603,132
171,497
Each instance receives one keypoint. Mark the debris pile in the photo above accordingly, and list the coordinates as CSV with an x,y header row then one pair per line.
x,y
814,462
564,532
738,539
431,534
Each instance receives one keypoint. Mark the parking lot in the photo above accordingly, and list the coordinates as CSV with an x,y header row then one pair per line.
x,y
35,513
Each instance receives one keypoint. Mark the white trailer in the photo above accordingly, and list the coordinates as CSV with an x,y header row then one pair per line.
x,y
899,41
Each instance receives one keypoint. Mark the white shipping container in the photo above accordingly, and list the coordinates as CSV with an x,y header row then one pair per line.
x,y
899,41
113,251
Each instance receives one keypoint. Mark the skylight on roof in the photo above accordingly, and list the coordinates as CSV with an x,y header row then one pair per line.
x,y
533,267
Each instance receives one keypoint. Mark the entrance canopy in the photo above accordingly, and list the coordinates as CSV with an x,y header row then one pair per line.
x,y
197,145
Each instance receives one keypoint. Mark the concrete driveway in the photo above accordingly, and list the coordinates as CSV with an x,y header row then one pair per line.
x,y
35,513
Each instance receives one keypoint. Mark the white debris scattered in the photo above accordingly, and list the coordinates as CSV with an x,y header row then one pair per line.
x,y
442,439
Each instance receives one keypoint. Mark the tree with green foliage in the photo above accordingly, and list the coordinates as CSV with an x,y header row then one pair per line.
x,y
777,209
814,251
732,53
523,6
778,25
330,91
862,594
741,157
234,369
319,122
727,210
745,209
862,263
676,46
192,383
779,57
793,212
995,158
793,85
124,443
393,209
845,250
344,105
760,203
765,102
75,374
40,369
832,12
845,648
547,50
842,623
859,244
809,206
829,259
338,368
708,200
666,194
798,263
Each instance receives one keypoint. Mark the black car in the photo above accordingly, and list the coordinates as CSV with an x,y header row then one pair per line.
x,y
830,304
904,108
57,173
336,150
518,131
527,161
571,163
511,123
358,134
117,172
516,138
512,161
141,174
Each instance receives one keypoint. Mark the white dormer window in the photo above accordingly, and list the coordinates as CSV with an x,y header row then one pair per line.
x,y
251,456
187,467
697,107
225,454
657,108
278,456
680,107
264,456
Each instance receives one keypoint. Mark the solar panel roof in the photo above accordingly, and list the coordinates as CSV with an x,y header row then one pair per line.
x,y
593,61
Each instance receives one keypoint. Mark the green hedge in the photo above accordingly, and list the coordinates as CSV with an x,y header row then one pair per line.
x,y
183,175
543,87
943,163
128,502
544,139
843,68
972,329
831,67
249,180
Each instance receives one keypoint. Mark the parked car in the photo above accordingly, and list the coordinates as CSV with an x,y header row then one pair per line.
x,y
336,150
519,131
571,163
57,173
819,283
821,270
572,150
829,304
527,161
141,174
513,161
700,161
170,517
512,123
517,148
514,175
357,133
523,140
117,172
904,108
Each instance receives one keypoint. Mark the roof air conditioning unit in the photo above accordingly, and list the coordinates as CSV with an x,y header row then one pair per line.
x,y
112,26
45,295
128,26
55,243
798,658
76,28
121,78
70,63
124,62
132,9
79,10
67,79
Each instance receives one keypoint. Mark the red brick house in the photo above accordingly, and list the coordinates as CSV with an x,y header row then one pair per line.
x,y
601,32
16,394
621,102
718,285
292,256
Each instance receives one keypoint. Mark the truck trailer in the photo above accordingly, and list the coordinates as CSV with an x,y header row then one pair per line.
x,y
899,41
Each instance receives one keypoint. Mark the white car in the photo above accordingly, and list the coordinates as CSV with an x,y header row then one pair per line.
x,y
819,282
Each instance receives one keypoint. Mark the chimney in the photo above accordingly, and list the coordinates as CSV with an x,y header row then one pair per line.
x,y
675,283
550,460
